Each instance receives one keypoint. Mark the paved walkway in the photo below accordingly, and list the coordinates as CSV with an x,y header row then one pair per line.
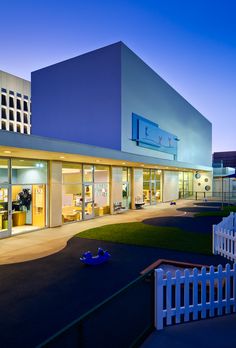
x,y
210,333
34,245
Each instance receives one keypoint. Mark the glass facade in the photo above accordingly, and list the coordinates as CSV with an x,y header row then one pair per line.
x,y
23,195
185,184
152,186
126,188
85,191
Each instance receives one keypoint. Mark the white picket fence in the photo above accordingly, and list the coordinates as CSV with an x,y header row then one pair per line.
x,y
224,237
193,295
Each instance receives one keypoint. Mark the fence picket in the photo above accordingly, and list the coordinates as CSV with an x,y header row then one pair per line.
x,y
219,290
186,294
195,294
159,299
227,290
234,287
203,293
177,296
212,291
168,298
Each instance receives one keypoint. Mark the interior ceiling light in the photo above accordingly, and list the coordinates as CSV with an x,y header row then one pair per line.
x,y
7,151
62,157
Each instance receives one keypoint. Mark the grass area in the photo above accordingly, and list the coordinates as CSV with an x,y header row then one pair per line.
x,y
138,233
224,212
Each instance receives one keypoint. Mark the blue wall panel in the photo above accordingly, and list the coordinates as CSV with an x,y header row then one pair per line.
x,y
79,99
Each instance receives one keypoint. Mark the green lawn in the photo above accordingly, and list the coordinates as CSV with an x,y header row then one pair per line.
x,y
225,212
137,233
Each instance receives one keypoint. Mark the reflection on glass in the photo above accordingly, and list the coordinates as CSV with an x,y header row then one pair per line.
x,y
151,186
88,201
72,202
88,173
3,209
71,173
101,174
3,171
25,171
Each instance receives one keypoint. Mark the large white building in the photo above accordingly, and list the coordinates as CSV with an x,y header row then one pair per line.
x,y
15,95
108,134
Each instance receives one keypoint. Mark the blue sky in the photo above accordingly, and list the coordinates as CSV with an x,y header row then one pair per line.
x,y
191,44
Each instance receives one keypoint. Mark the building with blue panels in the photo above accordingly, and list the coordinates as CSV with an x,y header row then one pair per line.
x,y
108,134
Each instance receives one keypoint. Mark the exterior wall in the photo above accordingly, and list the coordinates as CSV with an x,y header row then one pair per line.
x,y
79,99
138,185
148,95
170,186
199,185
227,158
18,89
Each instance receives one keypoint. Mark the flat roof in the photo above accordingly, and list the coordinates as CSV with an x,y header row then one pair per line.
x,y
33,146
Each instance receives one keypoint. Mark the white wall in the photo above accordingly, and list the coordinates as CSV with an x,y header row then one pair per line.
x,y
148,95
55,194
205,180
170,186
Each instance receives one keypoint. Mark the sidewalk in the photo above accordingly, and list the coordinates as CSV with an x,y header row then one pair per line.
x,y
218,332
34,245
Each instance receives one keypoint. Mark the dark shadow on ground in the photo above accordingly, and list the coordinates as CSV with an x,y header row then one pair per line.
x,y
40,297
196,209
189,224
212,204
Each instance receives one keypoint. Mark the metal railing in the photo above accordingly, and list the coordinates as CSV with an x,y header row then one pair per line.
x,y
209,195
124,319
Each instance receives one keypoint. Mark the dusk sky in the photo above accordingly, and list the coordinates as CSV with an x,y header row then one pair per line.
x,y
191,44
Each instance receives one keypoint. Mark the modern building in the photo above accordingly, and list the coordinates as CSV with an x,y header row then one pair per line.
x,y
224,183
108,134
15,95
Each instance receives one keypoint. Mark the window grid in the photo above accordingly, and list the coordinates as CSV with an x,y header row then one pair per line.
x,y
15,115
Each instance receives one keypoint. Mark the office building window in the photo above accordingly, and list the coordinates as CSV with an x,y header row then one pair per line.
x,y
4,100
11,102
25,106
4,125
11,127
11,115
3,113
18,104
18,116
25,118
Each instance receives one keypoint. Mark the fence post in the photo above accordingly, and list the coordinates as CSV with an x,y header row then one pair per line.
x,y
213,240
159,299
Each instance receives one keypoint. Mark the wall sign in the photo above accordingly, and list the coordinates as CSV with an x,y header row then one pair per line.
x,y
148,134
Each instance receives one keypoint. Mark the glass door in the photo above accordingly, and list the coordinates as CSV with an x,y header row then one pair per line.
x,y
125,195
5,212
88,201
153,192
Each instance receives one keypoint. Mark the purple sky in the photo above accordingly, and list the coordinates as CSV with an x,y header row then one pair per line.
x,y
191,44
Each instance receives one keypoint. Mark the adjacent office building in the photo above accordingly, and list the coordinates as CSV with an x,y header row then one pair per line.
x,y
15,103
224,183
107,134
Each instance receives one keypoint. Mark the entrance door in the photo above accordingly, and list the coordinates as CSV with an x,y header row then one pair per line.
x,y
88,201
5,212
